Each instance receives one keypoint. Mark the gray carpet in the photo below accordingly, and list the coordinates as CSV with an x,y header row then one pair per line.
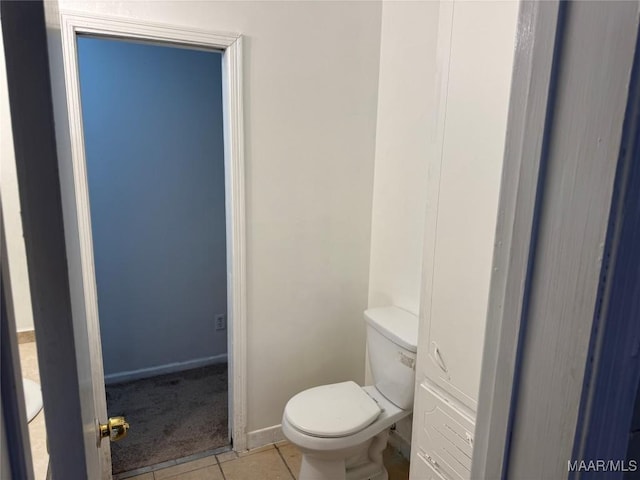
x,y
171,416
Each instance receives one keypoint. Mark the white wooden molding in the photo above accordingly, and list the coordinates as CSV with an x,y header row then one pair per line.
x,y
592,89
536,38
236,240
154,371
563,145
264,436
73,24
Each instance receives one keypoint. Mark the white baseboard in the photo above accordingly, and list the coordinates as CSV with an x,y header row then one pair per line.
x,y
264,436
26,336
126,376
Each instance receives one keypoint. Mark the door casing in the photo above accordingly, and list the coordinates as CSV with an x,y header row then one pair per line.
x,y
562,153
75,193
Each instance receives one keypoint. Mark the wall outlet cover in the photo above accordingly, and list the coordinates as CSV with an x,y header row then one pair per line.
x,y
221,321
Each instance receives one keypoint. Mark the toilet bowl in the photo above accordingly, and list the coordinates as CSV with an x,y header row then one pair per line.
x,y
357,453
342,428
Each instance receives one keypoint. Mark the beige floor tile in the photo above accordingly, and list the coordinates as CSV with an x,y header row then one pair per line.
x,y
292,457
397,466
29,361
144,476
226,456
183,468
265,465
264,448
207,473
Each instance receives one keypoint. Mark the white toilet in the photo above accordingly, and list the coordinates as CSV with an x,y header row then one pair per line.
x,y
32,398
342,429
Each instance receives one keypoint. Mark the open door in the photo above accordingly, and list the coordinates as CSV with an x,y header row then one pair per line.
x,y
41,56
71,378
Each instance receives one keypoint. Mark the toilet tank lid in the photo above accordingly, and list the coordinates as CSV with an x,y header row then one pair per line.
x,y
398,325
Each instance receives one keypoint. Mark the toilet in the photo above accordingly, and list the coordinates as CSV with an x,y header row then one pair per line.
x,y
32,398
342,429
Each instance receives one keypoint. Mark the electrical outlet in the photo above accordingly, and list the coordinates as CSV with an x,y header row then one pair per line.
x,y
221,321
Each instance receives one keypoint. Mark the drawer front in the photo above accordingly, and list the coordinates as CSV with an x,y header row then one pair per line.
x,y
421,469
445,434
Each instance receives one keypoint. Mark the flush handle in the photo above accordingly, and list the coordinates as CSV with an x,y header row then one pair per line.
x,y
115,429
407,361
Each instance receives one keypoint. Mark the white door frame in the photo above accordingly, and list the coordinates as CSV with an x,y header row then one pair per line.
x,y
72,24
560,164
528,105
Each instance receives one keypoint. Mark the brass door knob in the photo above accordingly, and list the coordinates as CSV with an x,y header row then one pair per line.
x,y
116,429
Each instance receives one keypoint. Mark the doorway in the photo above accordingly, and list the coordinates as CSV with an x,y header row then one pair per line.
x,y
58,180
153,136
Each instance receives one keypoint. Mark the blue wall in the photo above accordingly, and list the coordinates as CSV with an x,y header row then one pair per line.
x,y
154,146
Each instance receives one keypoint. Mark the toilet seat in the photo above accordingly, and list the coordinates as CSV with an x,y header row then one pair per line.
x,y
331,411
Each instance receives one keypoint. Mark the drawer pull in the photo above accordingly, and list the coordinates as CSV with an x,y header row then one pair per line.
x,y
439,360
469,438
429,459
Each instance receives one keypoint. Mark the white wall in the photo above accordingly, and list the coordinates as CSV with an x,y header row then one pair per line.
x,y
405,124
311,79
153,129
11,212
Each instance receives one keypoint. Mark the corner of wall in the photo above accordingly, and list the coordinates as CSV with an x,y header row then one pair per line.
x,y
375,160
16,251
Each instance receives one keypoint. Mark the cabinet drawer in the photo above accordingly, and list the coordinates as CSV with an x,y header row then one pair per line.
x,y
445,433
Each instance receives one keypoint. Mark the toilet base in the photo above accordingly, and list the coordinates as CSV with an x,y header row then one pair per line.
x,y
354,457
362,462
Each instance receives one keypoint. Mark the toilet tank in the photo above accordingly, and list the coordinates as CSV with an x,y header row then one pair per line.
x,y
392,338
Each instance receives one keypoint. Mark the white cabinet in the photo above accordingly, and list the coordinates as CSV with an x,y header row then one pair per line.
x,y
421,469
463,205
476,46
444,433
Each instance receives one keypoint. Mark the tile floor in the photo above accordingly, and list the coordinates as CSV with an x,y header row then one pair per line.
x,y
273,462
